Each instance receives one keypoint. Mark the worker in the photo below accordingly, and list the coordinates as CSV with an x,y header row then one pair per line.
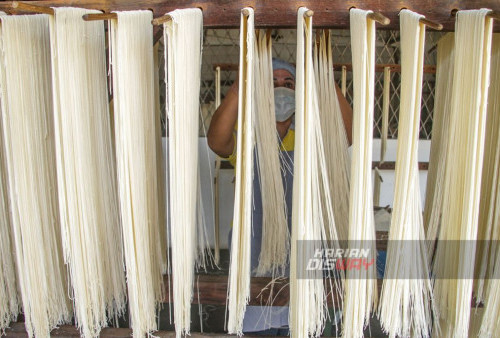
x,y
221,138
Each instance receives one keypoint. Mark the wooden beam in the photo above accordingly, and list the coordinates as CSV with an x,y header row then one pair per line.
x,y
18,330
389,165
379,68
102,16
213,288
283,13
392,165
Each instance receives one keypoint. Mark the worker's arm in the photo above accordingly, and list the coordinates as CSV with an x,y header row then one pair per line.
x,y
346,110
220,133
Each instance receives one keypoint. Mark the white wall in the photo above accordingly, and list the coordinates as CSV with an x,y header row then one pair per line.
x,y
226,185
387,186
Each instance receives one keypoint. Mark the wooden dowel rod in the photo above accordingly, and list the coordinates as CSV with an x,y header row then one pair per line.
x,y
431,24
392,165
309,13
245,11
100,16
18,5
379,68
161,20
378,17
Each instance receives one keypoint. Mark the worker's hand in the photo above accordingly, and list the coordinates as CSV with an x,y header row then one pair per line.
x,y
234,87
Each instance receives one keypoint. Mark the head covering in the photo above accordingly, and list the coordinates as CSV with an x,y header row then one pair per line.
x,y
281,64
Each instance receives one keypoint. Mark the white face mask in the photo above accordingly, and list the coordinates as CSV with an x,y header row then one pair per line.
x,y
284,103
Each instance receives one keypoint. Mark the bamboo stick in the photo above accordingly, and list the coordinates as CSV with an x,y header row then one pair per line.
x,y
18,5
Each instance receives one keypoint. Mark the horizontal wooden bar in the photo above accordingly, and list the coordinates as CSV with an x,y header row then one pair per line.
x,y
226,66
431,24
28,7
379,68
392,165
18,330
283,14
161,20
379,17
375,164
213,288
102,16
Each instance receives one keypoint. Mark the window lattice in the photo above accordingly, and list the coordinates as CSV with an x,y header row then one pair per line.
x,y
222,46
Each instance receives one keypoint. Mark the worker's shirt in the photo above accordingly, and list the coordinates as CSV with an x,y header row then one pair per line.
x,y
287,145
258,318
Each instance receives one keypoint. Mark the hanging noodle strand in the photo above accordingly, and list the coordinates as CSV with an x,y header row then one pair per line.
x,y
275,235
313,221
406,291
440,137
361,285
487,288
184,38
240,265
28,138
136,154
460,209
10,301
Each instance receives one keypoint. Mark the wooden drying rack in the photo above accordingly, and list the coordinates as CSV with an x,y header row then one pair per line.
x,y
283,13
268,14
379,67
